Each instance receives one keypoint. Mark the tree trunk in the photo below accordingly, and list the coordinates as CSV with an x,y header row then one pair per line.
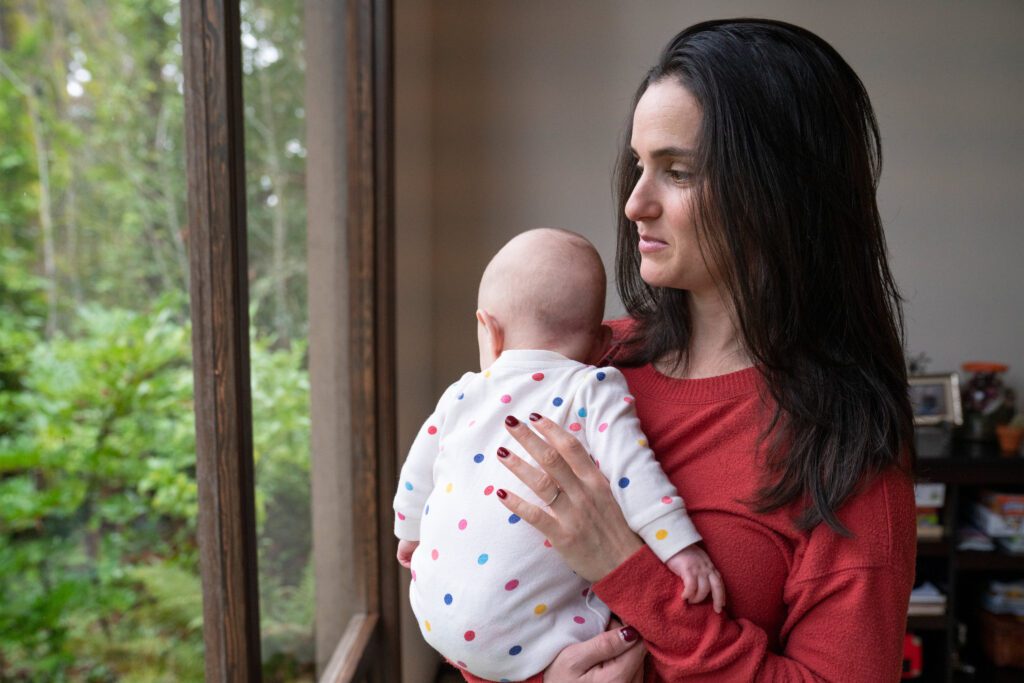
x,y
278,266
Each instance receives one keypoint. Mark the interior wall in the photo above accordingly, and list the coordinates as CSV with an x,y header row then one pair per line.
x,y
510,116
530,99
414,268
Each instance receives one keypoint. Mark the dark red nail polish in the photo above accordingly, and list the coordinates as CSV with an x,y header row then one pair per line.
x,y
502,452
511,421
534,417
502,493
628,634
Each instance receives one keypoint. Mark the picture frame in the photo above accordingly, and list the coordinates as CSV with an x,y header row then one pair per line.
x,y
936,399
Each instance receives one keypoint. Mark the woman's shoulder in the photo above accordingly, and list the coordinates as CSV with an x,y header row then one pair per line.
x,y
881,519
620,341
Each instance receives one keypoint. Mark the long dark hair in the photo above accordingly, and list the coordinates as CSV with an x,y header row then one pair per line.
x,y
787,166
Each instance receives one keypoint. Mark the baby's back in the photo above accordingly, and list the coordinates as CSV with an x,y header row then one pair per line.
x,y
488,590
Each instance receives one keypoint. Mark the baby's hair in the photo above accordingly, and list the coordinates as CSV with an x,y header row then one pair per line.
x,y
544,285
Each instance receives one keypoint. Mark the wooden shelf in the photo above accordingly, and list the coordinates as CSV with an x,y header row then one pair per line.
x,y
929,622
933,548
975,561
971,464
964,467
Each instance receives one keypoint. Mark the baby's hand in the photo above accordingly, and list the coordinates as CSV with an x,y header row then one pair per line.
x,y
405,551
699,576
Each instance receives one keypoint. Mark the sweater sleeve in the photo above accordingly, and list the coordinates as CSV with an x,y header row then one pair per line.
x,y
416,480
603,410
842,625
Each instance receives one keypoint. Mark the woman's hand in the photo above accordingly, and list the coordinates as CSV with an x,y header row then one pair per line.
x,y
581,519
615,656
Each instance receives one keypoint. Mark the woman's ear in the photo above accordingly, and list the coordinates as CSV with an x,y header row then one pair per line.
x,y
490,336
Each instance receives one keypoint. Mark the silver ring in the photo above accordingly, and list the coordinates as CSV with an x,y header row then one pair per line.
x,y
554,497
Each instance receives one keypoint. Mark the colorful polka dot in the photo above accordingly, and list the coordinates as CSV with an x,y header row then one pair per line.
x,y
426,511
469,635
513,519
479,457
471,423
447,598
558,401
487,374
512,585
408,486
448,488
584,592
540,609
434,554
582,412
515,649
462,664
660,534
575,427
603,426
431,430
547,543
579,620
666,500
628,399
506,399
537,376
642,443
463,524
413,574
401,517
482,559
462,396
601,376
624,482
427,624
489,490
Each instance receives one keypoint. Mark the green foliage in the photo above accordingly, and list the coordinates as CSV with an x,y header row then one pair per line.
x,y
99,577
98,562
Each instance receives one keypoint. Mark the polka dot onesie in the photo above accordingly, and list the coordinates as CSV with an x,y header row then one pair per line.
x,y
488,591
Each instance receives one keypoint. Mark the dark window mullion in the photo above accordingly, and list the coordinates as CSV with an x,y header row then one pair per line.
x,y
211,40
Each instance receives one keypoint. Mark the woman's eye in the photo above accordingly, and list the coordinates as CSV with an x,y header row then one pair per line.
x,y
679,176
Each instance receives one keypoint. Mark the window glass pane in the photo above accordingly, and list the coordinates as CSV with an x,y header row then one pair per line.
x,y
99,576
275,153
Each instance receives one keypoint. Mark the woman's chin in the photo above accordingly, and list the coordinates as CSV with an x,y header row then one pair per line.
x,y
654,276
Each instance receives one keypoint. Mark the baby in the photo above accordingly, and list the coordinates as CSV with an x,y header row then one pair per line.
x,y
489,592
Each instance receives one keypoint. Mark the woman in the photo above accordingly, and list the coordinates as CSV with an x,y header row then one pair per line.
x,y
764,350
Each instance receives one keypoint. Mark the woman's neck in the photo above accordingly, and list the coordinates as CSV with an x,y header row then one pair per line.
x,y
715,344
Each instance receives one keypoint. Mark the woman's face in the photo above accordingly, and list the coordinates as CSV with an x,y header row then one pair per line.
x,y
666,124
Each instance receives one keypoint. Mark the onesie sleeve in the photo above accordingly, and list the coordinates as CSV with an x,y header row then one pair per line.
x,y
604,411
416,480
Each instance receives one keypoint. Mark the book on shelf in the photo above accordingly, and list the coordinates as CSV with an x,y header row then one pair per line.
x,y
969,538
994,524
926,600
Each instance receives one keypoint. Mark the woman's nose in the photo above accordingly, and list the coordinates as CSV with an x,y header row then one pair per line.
x,y
641,205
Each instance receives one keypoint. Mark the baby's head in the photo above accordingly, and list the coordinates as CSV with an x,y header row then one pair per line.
x,y
543,290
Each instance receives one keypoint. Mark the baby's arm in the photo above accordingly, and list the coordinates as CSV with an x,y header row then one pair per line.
x,y
652,506
416,480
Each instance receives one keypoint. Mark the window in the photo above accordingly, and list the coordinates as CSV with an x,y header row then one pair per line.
x,y
351,337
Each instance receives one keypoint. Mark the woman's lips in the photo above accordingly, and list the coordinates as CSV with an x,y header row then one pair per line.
x,y
649,245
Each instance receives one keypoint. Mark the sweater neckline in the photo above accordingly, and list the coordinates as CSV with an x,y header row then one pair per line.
x,y
647,380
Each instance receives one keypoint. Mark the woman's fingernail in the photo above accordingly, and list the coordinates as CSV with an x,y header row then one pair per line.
x,y
511,421
502,452
628,634
534,417
502,493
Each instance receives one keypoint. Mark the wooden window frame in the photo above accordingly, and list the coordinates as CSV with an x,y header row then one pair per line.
x,y
352,338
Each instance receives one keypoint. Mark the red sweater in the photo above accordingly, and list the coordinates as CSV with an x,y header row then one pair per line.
x,y
801,606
